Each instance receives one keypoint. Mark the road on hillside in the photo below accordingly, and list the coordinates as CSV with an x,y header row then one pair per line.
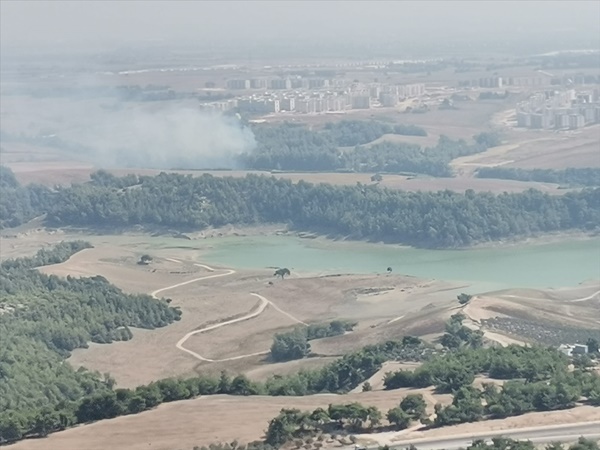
x,y
538,435
264,303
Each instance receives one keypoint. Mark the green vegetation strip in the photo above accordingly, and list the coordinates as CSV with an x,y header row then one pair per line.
x,y
568,177
297,148
422,219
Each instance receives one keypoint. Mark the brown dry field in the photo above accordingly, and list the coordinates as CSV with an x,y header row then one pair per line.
x,y
555,306
65,173
204,420
221,418
529,149
471,118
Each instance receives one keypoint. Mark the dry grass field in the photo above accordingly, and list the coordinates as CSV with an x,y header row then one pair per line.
x,y
543,149
202,421
463,123
220,418
51,173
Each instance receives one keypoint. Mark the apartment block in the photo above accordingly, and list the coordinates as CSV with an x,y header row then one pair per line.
x,y
361,101
238,84
258,83
281,83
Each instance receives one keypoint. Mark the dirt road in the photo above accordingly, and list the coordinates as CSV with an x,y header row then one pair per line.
x,y
264,303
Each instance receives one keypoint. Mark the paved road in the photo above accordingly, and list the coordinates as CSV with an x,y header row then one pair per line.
x,y
538,435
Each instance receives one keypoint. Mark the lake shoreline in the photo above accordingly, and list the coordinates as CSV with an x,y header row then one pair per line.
x,y
549,261
283,230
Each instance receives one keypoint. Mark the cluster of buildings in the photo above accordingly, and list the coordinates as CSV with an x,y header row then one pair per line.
x,y
537,80
312,95
567,109
287,83
534,81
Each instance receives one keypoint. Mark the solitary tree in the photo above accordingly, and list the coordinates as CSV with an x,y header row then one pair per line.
x,y
463,298
399,418
593,345
389,270
414,405
281,272
145,259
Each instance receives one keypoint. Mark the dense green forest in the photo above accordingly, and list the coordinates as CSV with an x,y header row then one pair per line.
x,y
42,319
422,219
297,148
19,204
392,157
588,176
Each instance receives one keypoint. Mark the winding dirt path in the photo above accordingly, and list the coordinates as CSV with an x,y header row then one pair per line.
x,y
575,300
224,274
263,305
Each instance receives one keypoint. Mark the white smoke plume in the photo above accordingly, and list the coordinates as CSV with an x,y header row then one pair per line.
x,y
167,137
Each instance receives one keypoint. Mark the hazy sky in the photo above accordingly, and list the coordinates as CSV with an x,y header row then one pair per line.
x,y
75,22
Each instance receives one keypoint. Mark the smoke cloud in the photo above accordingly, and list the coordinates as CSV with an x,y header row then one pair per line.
x,y
163,138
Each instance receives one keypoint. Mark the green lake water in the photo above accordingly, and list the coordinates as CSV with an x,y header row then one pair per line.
x,y
560,264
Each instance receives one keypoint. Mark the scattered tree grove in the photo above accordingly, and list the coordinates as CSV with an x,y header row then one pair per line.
x,y
341,147
294,344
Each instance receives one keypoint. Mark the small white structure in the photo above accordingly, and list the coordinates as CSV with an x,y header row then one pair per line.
x,y
573,349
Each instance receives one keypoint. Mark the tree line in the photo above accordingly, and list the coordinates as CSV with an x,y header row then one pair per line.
x,y
349,133
19,204
587,176
297,148
441,219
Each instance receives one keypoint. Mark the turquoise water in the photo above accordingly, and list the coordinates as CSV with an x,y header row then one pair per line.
x,y
560,264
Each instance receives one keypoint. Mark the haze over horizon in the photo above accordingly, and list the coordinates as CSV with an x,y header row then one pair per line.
x,y
68,24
